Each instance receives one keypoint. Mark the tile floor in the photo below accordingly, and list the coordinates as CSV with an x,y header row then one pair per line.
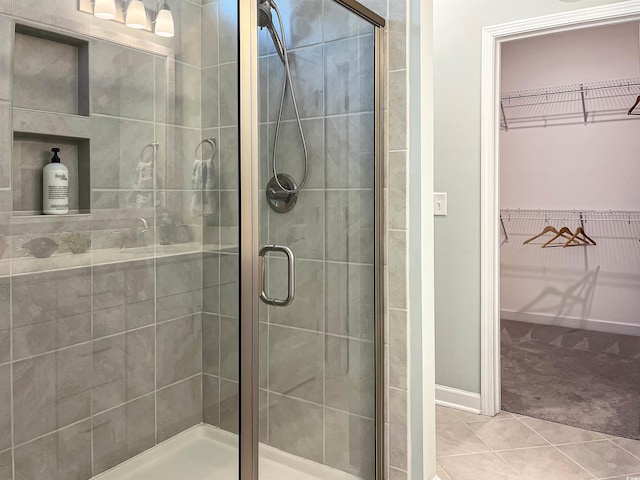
x,y
506,447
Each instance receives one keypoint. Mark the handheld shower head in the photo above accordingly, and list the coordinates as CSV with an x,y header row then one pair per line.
x,y
264,14
265,20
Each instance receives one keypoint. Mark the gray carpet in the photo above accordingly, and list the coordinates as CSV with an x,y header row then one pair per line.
x,y
575,377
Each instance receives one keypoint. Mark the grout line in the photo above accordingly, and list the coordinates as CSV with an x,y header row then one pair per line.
x,y
155,322
628,476
92,314
620,446
135,399
331,262
11,372
56,431
173,384
507,463
221,134
324,247
323,333
93,340
129,119
550,444
573,461
444,469
518,419
493,450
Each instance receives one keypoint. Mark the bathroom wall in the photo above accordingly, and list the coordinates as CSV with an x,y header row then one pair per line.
x,y
573,167
100,352
457,48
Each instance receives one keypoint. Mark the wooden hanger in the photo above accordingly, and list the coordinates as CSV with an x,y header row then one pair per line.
x,y
547,229
563,232
631,110
586,238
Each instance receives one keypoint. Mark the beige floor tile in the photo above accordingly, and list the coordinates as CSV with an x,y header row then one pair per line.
x,y
468,416
603,459
397,474
629,445
544,463
441,473
483,466
474,417
635,476
507,434
457,439
557,433
446,415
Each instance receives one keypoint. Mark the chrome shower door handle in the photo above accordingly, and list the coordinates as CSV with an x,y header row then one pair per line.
x,y
291,274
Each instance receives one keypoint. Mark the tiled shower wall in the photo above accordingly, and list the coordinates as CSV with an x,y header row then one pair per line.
x,y
316,369
318,385
100,352
396,146
221,327
220,279
317,363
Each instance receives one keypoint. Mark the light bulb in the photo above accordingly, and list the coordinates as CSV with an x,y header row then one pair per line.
x,y
105,9
164,22
136,15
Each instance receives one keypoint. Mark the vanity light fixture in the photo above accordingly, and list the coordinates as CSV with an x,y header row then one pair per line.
x,y
105,9
164,26
136,15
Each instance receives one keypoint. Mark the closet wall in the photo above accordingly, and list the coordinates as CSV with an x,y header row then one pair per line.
x,y
576,166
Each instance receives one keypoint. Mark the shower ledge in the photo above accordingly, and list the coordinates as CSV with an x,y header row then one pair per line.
x,y
207,453
24,265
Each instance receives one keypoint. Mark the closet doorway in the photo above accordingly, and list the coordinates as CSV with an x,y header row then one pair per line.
x,y
570,225
561,220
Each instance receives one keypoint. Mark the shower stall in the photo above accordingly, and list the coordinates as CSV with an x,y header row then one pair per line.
x,y
212,305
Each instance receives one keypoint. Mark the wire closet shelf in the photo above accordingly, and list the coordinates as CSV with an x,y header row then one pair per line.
x,y
630,216
580,217
577,103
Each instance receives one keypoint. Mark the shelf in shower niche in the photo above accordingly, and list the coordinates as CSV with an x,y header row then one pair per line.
x,y
31,153
50,72
36,122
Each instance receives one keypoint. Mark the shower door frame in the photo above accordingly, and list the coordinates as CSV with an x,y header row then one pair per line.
x,y
250,228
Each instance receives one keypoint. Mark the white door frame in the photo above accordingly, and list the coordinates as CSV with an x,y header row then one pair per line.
x,y
492,38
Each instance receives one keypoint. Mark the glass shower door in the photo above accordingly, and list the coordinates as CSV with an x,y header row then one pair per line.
x,y
317,205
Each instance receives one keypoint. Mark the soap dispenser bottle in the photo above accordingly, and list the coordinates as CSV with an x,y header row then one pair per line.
x,y
55,187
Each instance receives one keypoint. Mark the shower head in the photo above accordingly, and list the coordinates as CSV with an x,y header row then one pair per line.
x,y
264,14
265,20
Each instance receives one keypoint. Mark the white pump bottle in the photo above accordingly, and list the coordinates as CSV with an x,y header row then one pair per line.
x,y
55,187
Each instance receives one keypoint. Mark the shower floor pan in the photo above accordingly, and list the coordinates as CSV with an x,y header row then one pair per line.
x,y
207,453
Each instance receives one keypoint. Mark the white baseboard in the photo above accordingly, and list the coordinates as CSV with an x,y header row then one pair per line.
x,y
572,322
458,399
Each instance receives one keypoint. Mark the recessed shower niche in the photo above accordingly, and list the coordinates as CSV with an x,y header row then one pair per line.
x,y
50,109
50,72
31,152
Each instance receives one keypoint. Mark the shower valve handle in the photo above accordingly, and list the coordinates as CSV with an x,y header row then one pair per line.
x,y
278,194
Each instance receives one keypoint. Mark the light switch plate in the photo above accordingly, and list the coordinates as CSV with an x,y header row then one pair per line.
x,y
439,203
